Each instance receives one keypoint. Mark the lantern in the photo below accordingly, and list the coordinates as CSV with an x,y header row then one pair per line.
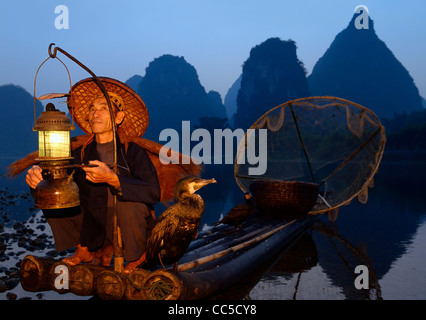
x,y
57,189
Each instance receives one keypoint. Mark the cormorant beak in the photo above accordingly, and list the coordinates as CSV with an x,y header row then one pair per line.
x,y
203,183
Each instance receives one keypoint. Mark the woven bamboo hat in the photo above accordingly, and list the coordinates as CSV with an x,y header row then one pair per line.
x,y
85,91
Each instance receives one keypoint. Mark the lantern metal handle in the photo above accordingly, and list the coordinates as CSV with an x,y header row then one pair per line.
x,y
35,84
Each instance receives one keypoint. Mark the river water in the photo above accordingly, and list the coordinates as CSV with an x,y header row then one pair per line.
x,y
387,236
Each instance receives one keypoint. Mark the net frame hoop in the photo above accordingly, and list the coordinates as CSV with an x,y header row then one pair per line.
x,y
335,101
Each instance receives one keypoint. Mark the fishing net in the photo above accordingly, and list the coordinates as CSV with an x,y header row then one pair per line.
x,y
329,141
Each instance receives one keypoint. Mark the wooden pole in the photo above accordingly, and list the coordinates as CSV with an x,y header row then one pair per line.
x,y
301,142
118,250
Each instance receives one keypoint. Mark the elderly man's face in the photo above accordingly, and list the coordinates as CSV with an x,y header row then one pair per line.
x,y
99,117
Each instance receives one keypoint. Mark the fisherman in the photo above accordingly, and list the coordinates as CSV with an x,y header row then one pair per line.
x,y
89,227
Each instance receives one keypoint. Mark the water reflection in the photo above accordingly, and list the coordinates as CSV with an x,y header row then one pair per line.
x,y
387,234
406,277
287,271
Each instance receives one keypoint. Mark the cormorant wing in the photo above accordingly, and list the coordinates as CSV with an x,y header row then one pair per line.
x,y
164,227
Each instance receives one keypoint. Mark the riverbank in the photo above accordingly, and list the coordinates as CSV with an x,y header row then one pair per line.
x,y
20,238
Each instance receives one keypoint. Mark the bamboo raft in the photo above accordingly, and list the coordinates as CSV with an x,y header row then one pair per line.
x,y
216,260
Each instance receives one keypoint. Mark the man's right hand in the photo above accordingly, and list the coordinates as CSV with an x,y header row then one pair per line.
x,y
34,177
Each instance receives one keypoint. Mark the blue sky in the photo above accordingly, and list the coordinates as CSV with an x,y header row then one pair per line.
x,y
119,38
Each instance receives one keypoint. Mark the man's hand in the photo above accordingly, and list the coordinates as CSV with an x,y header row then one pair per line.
x,y
101,174
34,177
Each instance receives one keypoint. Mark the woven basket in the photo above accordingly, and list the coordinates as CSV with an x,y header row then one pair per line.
x,y
286,199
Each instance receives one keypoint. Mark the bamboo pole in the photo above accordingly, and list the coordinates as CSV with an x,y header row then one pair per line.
x,y
197,262
226,241
118,250
301,142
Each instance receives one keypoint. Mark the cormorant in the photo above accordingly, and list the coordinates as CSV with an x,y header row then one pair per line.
x,y
239,213
176,227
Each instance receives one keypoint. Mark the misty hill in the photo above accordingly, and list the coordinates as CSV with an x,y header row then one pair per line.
x,y
17,121
230,100
406,131
358,66
271,76
134,82
173,93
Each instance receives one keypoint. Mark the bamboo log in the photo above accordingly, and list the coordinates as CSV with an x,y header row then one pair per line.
x,y
162,285
110,285
43,274
134,283
83,279
34,273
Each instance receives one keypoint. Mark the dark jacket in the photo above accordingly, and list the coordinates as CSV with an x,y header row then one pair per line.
x,y
140,184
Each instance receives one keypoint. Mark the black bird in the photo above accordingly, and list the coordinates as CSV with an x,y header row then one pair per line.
x,y
176,227
239,213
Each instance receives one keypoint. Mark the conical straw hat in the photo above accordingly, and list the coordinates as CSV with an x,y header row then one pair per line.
x,y
85,91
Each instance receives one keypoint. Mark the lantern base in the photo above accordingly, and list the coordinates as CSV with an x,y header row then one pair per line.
x,y
56,194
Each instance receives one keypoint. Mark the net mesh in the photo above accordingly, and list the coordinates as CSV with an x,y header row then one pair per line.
x,y
330,141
